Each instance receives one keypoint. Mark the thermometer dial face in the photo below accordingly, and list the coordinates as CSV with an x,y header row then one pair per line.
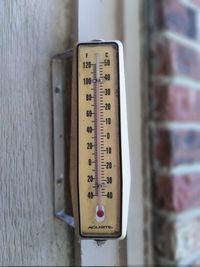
x,y
99,148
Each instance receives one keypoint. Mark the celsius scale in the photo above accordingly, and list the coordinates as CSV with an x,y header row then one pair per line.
x,y
99,168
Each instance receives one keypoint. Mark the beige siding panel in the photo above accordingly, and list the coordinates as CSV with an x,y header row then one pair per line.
x,y
30,32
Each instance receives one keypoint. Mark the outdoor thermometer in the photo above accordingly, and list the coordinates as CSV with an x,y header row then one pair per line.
x,y
100,167
97,164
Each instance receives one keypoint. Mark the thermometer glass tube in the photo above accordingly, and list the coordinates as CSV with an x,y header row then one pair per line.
x,y
99,145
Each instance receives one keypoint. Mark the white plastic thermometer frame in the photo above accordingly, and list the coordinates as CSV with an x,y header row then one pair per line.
x,y
125,156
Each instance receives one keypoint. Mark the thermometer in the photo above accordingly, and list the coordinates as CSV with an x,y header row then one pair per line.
x,y
101,147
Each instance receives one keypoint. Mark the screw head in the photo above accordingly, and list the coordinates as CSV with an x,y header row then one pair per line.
x,y
60,179
58,90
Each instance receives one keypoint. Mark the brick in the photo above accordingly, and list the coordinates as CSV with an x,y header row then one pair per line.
x,y
172,147
177,240
176,103
175,237
171,58
177,192
161,58
173,16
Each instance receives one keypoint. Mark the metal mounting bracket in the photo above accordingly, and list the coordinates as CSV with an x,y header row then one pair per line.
x,y
61,69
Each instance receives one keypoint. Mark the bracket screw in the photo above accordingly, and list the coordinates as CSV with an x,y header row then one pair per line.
x,y
58,90
60,179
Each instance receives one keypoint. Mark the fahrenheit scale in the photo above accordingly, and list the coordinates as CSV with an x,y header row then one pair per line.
x,y
103,168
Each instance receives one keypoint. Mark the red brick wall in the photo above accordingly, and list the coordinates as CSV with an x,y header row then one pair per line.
x,y
175,129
